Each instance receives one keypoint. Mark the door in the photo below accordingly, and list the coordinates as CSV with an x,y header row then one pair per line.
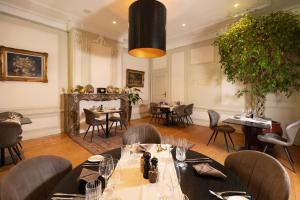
x,y
160,86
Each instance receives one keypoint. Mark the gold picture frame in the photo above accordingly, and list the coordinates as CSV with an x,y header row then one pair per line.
x,y
23,65
134,78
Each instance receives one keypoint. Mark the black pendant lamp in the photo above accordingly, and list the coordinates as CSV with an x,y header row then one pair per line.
x,y
147,29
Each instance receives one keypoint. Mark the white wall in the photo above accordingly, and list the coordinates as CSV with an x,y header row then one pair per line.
x,y
39,101
141,64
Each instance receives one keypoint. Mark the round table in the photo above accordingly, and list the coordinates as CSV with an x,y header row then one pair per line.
x,y
194,186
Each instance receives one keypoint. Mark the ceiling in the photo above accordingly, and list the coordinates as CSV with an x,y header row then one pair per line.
x,y
97,16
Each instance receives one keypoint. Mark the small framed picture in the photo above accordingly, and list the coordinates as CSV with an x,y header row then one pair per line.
x,y
23,65
101,90
134,78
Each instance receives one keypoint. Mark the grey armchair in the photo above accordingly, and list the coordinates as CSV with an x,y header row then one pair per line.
x,y
143,133
34,179
188,113
9,138
155,112
213,124
264,176
90,119
273,138
179,114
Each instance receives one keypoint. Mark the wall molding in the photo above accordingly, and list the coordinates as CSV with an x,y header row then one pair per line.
x,y
41,132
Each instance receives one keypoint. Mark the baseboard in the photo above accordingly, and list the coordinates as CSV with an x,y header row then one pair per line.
x,y
37,133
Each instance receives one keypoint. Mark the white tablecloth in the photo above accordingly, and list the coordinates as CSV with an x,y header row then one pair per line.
x,y
133,186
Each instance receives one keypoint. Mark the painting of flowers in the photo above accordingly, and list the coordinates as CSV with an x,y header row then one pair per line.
x,y
23,65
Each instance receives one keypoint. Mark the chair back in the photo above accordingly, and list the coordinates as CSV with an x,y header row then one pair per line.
x,y
123,116
9,132
89,116
189,109
291,131
213,118
142,133
154,108
179,110
34,178
264,177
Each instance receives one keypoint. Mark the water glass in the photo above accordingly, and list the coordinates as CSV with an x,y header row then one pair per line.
x,y
181,156
93,190
106,167
125,151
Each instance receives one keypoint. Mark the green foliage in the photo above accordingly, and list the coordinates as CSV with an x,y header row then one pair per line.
x,y
263,53
133,95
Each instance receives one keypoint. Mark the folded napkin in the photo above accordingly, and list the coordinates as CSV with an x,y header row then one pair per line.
x,y
204,169
86,176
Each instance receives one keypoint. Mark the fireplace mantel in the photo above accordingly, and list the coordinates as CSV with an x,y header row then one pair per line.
x,y
71,108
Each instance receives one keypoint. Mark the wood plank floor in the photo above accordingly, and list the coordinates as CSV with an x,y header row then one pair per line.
x,y
63,146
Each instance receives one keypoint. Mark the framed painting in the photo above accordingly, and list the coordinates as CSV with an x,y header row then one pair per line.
x,y
134,78
23,65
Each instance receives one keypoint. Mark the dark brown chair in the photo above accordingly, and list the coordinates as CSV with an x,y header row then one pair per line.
x,y
90,119
35,178
121,120
188,113
273,138
155,112
142,133
179,114
264,177
213,124
6,115
9,138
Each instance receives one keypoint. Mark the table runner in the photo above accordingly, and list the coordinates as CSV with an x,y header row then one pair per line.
x,y
132,184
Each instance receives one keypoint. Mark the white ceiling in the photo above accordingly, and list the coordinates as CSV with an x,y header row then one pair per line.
x,y
97,15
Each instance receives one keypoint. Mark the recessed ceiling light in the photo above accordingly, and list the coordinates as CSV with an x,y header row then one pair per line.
x,y
114,22
236,5
183,25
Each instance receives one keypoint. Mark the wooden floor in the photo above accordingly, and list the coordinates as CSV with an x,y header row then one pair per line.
x,y
63,146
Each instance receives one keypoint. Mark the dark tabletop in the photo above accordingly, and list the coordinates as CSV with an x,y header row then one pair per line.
x,y
194,186
246,123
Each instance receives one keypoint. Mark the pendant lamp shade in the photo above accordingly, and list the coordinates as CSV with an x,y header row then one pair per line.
x,y
147,29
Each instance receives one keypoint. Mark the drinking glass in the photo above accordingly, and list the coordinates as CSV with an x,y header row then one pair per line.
x,y
181,156
125,151
106,167
93,190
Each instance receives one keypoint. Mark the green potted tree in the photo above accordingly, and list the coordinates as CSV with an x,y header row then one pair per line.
x,y
263,53
133,98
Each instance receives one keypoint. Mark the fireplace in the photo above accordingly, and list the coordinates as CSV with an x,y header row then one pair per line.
x,y
71,108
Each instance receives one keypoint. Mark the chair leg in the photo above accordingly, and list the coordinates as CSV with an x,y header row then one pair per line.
x,y
191,119
212,135
116,128
98,129
92,134
17,152
102,128
12,155
110,126
124,125
86,131
265,149
216,135
225,137
19,143
289,157
230,139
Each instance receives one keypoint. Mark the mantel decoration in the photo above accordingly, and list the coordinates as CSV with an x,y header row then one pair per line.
x,y
263,53
22,65
147,29
134,78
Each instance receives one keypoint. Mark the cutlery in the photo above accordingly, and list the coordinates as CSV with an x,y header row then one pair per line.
x,y
67,198
215,194
231,193
198,161
205,158
68,195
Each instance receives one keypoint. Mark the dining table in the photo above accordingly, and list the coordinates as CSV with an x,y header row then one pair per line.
x,y
247,127
106,112
167,110
193,185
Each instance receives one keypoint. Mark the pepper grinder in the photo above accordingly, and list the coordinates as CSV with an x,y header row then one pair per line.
x,y
153,173
147,164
